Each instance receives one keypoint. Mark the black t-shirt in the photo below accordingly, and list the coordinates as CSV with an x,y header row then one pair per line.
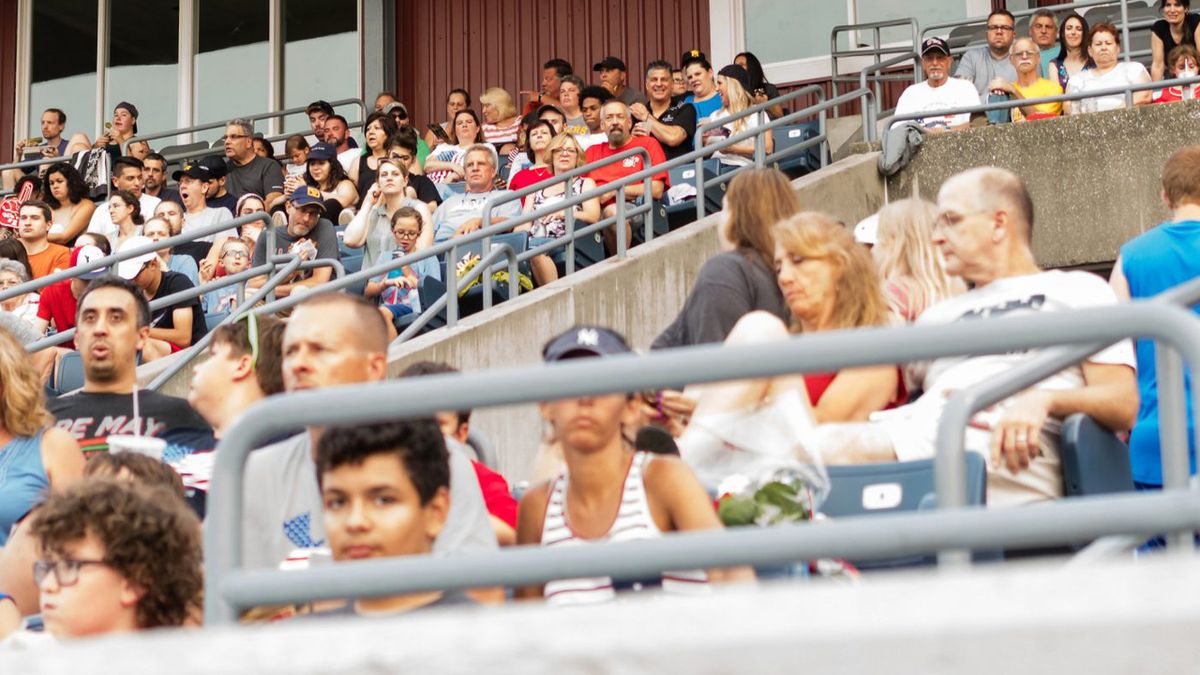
x,y
1163,30
680,114
198,250
92,417
174,282
228,202
426,190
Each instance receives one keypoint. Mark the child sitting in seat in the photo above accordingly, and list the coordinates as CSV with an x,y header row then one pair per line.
x,y
234,258
397,290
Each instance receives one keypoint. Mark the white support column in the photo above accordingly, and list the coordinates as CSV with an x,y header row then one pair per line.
x,y
275,40
727,30
24,69
101,64
188,43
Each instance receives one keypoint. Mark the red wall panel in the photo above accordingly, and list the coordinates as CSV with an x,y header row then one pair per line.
x,y
8,75
476,44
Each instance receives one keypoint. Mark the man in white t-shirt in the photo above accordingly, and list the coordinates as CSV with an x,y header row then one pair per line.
x,y
984,228
939,91
126,175
193,186
334,339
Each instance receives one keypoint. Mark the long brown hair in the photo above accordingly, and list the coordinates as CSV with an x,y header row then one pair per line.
x,y
756,200
859,302
23,394
905,251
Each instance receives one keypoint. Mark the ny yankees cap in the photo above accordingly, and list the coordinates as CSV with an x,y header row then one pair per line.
x,y
584,341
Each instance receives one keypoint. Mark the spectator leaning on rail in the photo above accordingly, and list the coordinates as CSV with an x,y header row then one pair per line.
x,y
333,339
939,91
113,324
463,213
1159,259
1104,46
618,124
981,65
1177,27
307,234
245,170
1043,28
984,231
1028,84
672,123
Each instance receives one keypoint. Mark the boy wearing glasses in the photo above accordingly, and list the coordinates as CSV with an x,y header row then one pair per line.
x,y
984,64
116,557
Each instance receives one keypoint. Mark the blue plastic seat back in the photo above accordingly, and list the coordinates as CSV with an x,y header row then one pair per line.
x,y
1094,460
70,372
211,321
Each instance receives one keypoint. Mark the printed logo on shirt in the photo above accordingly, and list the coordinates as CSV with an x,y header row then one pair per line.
x,y
298,530
1033,302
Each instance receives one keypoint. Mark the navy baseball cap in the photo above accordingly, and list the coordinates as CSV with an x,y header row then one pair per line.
x,y
322,152
305,195
584,341
193,171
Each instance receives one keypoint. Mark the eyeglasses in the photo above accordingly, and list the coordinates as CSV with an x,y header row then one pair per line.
x,y
406,234
236,255
65,571
1000,29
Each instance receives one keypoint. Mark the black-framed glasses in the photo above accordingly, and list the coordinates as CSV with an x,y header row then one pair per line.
x,y
1000,29
236,254
406,234
65,571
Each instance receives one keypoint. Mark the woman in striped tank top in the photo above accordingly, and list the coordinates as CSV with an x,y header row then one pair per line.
x,y
608,492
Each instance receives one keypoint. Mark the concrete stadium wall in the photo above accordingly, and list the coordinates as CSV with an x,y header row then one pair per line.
x,y
638,296
1095,179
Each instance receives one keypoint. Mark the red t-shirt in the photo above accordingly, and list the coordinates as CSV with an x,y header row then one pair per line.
x,y
530,176
496,496
57,305
631,165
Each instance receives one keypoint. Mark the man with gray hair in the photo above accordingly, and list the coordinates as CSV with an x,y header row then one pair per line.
x,y
984,231
461,214
247,172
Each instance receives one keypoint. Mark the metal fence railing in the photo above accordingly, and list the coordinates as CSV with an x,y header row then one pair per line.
x,y
187,131
875,51
229,589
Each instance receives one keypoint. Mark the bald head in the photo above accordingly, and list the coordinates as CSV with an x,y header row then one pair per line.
x,y
993,189
365,325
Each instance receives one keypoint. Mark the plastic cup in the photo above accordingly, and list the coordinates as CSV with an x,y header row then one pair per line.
x,y
141,445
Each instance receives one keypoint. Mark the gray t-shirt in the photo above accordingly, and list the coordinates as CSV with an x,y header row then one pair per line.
x,y
322,234
260,176
978,67
729,286
283,506
208,216
458,209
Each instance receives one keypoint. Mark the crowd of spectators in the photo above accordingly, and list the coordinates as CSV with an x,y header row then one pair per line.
x,y
97,537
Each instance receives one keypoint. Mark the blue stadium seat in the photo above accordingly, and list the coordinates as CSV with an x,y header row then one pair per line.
x,y
803,162
430,291
682,213
1094,460
212,320
352,263
70,373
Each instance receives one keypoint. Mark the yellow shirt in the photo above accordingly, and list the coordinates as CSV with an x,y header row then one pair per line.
x,y
1039,89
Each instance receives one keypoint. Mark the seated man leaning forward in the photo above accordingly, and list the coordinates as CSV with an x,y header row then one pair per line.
x,y
463,214
984,228
307,234
385,489
939,91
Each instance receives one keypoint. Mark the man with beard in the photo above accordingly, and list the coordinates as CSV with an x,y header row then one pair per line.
x,y
617,123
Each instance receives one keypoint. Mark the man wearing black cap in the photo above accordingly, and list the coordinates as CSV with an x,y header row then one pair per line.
x,y
193,189
939,91
612,77
307,234
672,123
215,194
245,170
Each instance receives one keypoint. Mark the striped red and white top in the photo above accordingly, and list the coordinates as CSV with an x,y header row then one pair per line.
x,y
499,134
633,522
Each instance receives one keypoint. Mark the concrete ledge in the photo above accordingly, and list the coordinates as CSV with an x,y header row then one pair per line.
x,y
1095,179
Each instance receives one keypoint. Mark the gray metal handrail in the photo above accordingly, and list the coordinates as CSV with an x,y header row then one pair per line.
x,y
253,118
875,51
1126,89
878,69
155,247
971,400
187,355
485,263
226,589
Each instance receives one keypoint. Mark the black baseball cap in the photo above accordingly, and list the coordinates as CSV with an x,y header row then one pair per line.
x,y
609,63
199,171
216,166
935,44
738,73
585,341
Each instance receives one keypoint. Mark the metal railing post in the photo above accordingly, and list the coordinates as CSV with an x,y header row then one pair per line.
x,y
1125,34
620,222
699,163
568,185
452,286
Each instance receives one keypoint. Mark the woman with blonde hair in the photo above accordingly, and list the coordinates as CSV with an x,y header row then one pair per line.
x,y
829,283
501,122
740,279
35,457
913,272
733,83
563,154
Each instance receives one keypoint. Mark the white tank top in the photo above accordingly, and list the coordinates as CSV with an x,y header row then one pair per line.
x,y
634,521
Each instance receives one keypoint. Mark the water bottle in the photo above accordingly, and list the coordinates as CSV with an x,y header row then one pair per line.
x,y
1001,116
1187,91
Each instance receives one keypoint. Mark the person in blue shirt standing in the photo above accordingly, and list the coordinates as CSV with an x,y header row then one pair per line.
x,y
1164,257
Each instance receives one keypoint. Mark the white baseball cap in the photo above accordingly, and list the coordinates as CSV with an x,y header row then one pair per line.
x,y
867,230
128,269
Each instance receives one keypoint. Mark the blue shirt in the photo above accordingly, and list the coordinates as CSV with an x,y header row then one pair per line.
x,y
1162,258
23,480
704,109
185,265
